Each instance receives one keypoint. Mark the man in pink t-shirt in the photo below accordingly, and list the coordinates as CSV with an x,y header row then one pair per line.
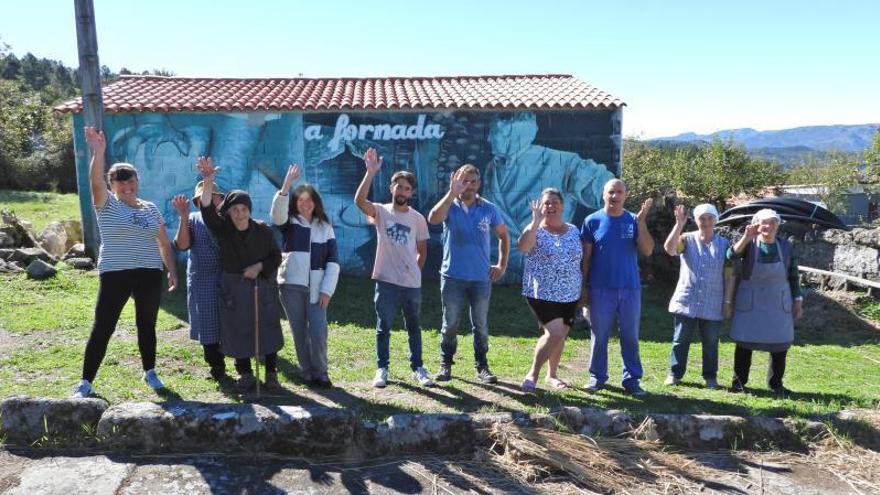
x,y
401,250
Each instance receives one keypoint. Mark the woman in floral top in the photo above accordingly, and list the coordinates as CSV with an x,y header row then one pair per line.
x,y
551,282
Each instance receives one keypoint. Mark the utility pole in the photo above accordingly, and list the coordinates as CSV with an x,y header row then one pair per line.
x,y
92,113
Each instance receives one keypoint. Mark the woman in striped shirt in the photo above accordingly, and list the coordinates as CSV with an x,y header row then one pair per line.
x,y
134,245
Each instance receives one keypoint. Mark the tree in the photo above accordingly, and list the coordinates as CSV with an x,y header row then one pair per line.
x,y
836,176
872,157
696,174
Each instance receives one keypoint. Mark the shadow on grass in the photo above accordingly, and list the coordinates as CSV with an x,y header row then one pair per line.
x,y
362,407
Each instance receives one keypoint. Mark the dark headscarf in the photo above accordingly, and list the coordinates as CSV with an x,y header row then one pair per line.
x,y
236,197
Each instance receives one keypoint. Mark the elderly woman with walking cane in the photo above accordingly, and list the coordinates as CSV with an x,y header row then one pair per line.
x,y
248,293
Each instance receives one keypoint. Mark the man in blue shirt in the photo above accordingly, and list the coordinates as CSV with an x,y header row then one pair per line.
x,y
467,273
612,238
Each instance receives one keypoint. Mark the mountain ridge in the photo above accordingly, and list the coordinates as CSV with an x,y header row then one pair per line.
x,y
822,138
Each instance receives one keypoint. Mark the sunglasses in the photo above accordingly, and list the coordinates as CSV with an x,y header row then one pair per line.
x,y
123,175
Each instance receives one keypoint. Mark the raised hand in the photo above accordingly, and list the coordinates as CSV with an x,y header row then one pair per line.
x,y
752,231
205,166
646,207
372,160
680,215
96,141
181,205
537,211
456,183
293,173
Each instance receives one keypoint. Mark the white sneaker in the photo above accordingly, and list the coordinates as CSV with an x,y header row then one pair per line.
x,y
421,376
152,380
83,389
381,378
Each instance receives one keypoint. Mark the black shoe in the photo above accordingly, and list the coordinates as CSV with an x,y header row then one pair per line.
x,y
737,387
322,383
445,373
246,383
486,376
218,374
271,383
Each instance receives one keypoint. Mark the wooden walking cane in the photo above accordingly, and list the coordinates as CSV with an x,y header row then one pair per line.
x,y
257,332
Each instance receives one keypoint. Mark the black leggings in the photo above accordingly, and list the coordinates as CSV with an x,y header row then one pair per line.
x,y
243,365
742,363
144,285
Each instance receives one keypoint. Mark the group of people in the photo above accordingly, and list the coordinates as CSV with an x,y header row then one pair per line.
x,y
239,280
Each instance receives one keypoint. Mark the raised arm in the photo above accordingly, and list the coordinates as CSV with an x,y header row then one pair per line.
x,y
209,174
97,143
181,238
673,244
527,239
278,213
750,234
645,241
440,211
373,162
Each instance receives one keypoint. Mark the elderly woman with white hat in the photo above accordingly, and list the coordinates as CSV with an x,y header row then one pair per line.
x,y
768,299
697,303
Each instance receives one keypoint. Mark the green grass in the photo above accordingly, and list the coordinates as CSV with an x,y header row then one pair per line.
x,y
40,208
869,307
44,327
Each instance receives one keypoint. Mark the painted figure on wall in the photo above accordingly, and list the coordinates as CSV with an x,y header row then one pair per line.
x,y
520,170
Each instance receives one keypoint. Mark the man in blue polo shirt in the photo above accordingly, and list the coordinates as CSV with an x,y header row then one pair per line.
x,y
612,239
467,272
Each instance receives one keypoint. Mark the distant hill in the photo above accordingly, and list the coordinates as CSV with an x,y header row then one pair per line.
x,y
789,146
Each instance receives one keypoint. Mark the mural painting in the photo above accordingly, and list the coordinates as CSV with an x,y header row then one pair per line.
x,y
518,154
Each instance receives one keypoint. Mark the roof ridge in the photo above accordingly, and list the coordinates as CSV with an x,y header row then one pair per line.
x,y
341,78
152,93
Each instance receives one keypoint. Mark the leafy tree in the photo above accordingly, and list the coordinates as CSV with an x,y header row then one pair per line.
x,y
872,157
836,175
36,145
696,174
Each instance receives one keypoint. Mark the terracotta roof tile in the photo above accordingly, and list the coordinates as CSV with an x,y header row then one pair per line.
x,y
133,94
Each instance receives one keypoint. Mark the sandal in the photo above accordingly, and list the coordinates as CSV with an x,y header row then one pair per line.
x,y
557,383
528,385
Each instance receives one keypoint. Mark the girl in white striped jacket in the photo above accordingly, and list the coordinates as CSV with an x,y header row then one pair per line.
x,y
308,274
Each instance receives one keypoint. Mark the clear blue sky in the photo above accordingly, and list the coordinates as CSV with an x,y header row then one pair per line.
x,y
680,65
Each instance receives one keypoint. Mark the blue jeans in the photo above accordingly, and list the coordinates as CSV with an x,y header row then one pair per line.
x,y
387,299
681,343
456,294
625,307
308,323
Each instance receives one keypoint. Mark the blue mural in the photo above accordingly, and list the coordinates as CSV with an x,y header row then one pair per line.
x,y
518,153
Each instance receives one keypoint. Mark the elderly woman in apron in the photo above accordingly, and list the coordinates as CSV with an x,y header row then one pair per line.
x,y
249,258
202,277
697,303
768,299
